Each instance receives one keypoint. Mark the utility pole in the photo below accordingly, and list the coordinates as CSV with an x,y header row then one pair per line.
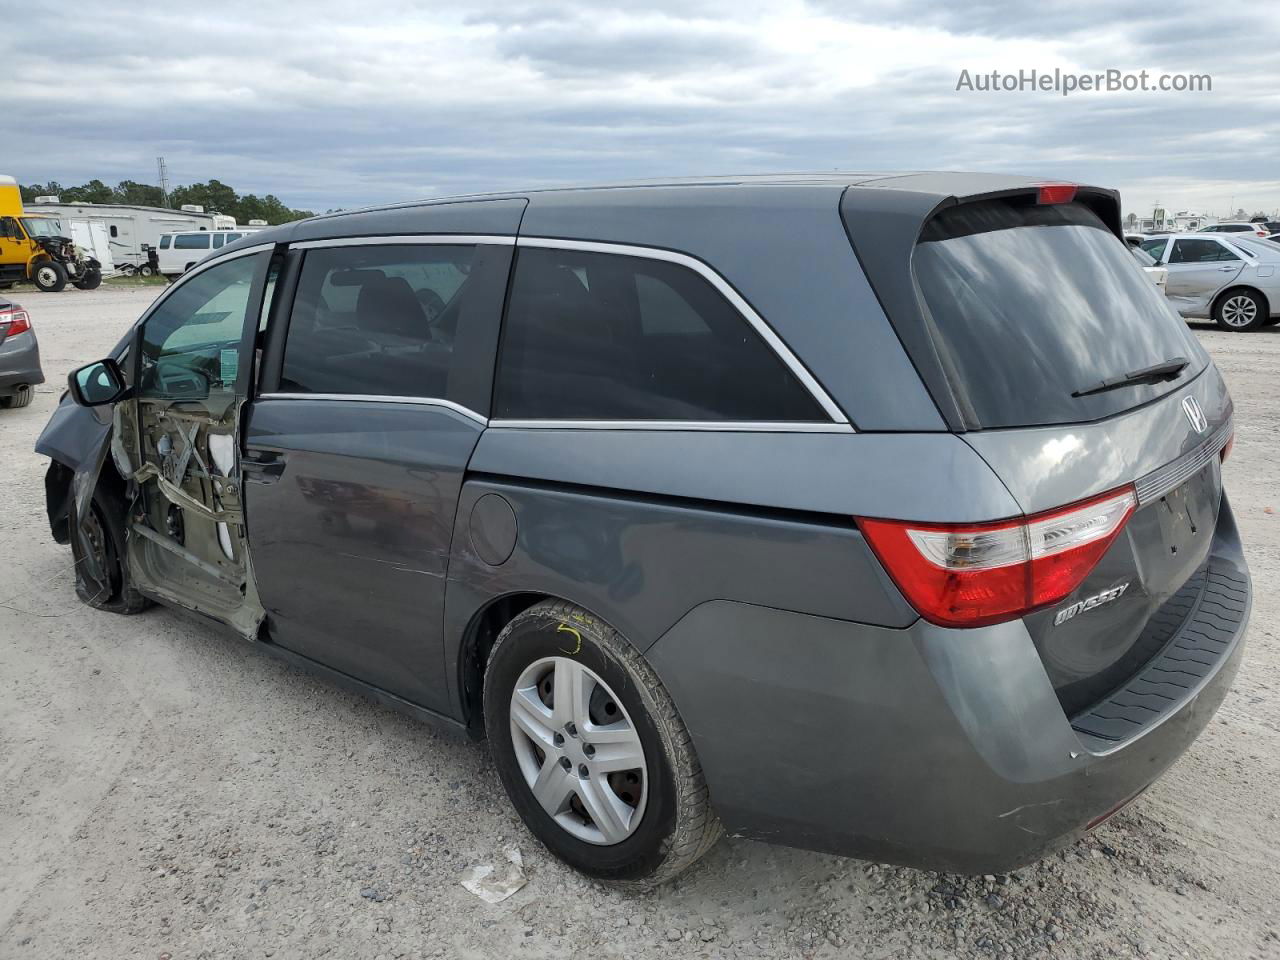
x,y
164,179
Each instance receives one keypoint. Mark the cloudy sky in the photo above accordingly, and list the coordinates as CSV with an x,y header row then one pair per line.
x,y
344,104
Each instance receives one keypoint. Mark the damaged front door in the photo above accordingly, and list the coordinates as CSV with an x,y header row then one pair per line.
x,y
194,358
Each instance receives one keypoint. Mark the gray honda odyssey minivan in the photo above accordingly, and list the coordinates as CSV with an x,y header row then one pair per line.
x,y
877,514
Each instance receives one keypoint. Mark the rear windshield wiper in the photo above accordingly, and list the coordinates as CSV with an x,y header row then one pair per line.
x,y
1154,374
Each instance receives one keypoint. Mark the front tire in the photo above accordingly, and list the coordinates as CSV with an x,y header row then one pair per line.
x,y
92,279
591,750
49,276
1240,311
104,539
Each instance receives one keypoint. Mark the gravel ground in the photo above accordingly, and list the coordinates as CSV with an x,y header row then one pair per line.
x,y
167,792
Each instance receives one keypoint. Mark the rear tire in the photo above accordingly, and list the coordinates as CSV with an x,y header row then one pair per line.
x,y
666,822
49,276
145,270
105,536
1240,311
21,397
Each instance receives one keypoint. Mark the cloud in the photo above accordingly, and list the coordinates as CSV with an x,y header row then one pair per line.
x,y
325,108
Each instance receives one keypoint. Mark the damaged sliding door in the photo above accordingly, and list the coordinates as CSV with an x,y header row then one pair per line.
x,y
180,432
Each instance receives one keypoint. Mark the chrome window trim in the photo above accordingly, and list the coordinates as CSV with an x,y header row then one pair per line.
x,y
381,398
783,352
719,426
454,239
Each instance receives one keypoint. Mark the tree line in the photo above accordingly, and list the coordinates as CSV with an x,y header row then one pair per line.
x,y
214,196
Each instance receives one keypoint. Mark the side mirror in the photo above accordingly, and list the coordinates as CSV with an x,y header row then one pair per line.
x,y
97,384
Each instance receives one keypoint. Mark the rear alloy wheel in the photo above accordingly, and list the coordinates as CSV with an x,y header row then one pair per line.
x,y
591,750
49,276
579,752
1240,311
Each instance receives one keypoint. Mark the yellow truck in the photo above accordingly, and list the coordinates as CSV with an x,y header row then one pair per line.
x,y
33,247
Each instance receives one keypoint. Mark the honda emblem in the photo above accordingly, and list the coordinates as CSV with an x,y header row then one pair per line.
x,y
1194,414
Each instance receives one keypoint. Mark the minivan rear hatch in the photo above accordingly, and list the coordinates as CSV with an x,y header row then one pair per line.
x,y
1054,356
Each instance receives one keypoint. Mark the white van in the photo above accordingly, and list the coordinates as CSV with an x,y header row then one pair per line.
x,y
179,252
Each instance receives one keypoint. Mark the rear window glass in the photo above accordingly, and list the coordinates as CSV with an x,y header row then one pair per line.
x,y
1030,304
600,336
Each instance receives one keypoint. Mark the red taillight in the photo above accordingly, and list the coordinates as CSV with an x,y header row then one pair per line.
x,y
971,574
1226,447
17,319
1056,193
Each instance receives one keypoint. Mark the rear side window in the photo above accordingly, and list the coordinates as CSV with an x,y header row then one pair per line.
x,y
1028,305
217,240
598,336
377,320
191,241
1200,251
164,242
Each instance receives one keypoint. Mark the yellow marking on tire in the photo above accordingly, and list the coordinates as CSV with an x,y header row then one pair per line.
x,y
568,629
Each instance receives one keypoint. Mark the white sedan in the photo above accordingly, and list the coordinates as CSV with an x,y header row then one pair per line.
x,y
1233,279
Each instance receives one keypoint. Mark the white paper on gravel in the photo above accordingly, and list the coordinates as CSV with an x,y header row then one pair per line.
x,y
493,883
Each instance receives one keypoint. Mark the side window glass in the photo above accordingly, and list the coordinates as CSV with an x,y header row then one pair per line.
x,y
164,242
597,336
1194,251
1155,248
191,343
217,240
1225,253
378,320
191,241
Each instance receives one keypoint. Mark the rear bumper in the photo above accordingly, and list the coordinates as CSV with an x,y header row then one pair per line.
x,y
936,748
19,361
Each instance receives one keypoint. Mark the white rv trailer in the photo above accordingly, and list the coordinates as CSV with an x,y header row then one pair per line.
x,y
133,230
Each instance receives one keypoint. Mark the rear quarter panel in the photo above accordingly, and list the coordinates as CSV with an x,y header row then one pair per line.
x,y
640,527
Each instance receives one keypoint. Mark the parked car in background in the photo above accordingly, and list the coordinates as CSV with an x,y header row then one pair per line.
x,y
19,356
1271,226
895,530
1232,280
1236,226
176,253
1158,274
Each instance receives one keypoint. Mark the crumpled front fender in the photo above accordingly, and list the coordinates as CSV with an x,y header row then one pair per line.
x,y
79,441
